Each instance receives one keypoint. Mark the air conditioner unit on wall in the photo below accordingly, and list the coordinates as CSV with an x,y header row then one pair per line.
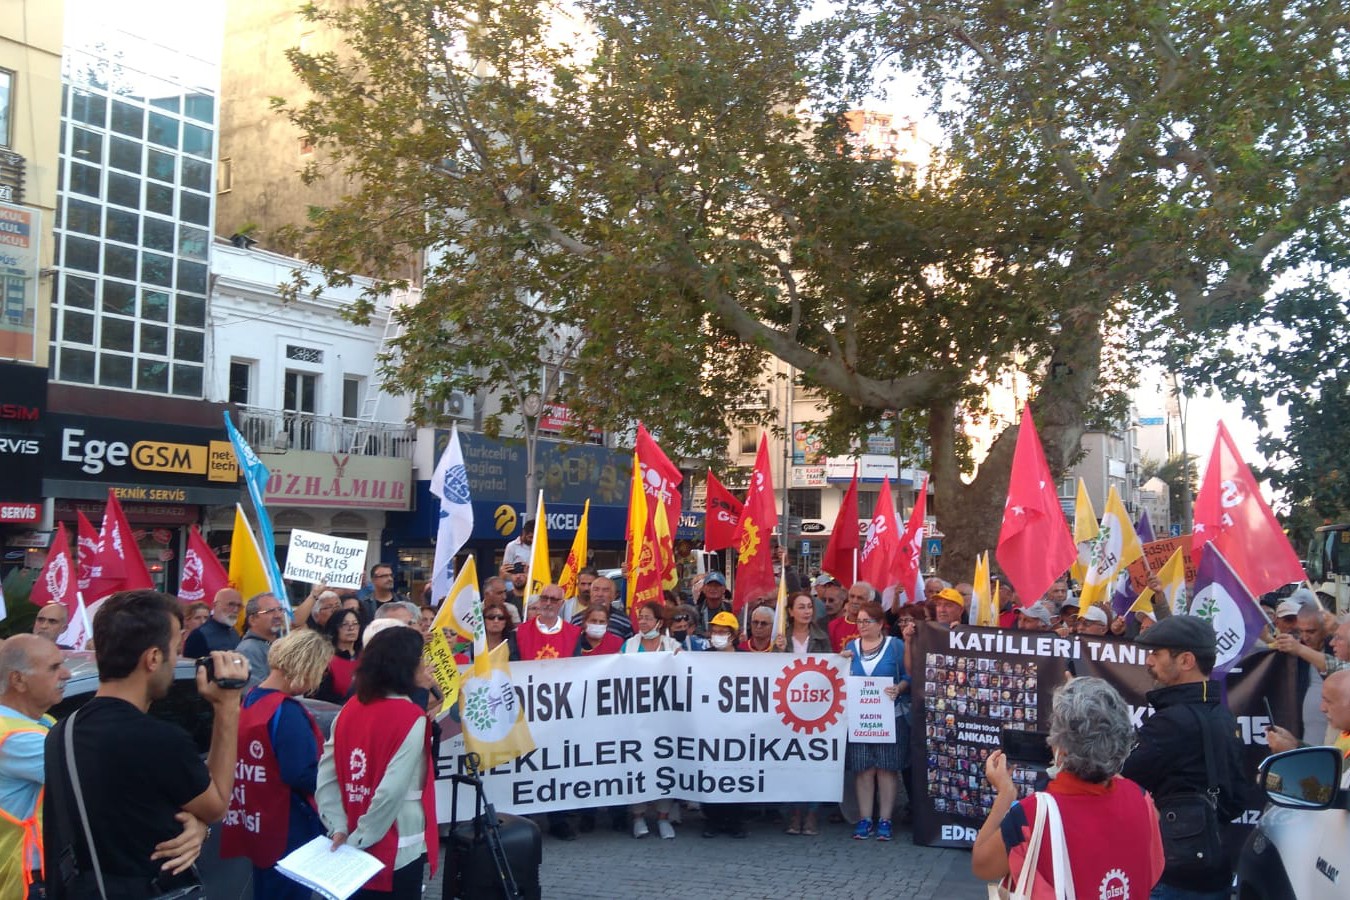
x,y
458,405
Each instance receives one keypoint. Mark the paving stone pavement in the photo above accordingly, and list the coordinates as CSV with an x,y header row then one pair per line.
x,y
768,865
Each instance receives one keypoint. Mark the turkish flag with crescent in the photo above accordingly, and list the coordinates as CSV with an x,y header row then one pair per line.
x,y
724,514
877,563
1035,545
202,574
1231,514
56,583
754,535
840,560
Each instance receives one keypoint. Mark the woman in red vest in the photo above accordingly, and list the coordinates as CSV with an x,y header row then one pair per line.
x,y
344,630
376,786
272,810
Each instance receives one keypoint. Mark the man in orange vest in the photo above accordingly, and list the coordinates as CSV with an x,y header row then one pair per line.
x,y
33,675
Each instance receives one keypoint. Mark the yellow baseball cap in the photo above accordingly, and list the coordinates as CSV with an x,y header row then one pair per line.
x,y
953,595
726,620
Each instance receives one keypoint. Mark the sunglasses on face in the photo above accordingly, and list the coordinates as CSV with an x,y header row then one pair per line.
x,y
495,618
681,619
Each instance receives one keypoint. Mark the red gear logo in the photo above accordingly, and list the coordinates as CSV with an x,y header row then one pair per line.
x,y
809,695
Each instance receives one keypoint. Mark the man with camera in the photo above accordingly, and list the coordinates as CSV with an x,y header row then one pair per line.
x,y
1188,758
138,777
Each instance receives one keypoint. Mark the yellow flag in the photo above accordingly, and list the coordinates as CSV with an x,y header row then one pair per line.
x,y
462,607
440,659
539,575
665,548
247,573
1115,548
1173,578
1084,531
780,608
576,559
490,714
1144,603
984,601
637,528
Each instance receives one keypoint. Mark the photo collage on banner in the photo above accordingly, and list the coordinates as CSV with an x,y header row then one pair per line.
x,y
977,683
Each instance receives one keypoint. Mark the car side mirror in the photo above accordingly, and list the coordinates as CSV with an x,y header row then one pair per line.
x,y
1306,778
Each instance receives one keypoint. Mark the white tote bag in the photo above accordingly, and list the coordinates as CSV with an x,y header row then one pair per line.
x,y
1047,819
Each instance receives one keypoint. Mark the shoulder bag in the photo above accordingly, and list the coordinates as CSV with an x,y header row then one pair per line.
x,y
1189,822
1047,816
114,886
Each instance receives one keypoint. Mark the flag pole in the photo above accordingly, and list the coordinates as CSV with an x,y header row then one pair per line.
x,y
529,574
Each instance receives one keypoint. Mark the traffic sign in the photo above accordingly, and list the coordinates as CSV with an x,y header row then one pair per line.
x,y
1175,530
933,546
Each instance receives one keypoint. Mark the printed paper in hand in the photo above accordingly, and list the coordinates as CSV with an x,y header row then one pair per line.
x,y
335,874
871,714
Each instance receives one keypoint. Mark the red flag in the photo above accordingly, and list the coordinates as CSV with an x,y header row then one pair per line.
x,y
841,553
1035,545
660,478
88,565
754,535
202,574
1230,512
881,550
56,583
911,548
122,566
724,513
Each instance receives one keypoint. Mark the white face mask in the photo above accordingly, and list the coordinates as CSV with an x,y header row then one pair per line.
x,y
596,630
654,633
719,641
1056,767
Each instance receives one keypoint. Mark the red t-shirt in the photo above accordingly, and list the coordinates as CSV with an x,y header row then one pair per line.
x,y
610,643
841,632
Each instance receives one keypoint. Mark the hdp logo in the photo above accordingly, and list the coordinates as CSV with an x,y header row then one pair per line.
x,y
505,519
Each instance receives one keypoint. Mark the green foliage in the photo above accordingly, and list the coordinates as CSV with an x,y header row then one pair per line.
x,y
664,194
20,613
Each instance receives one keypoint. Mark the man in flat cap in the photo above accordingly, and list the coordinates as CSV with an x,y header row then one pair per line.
x,y
1189,723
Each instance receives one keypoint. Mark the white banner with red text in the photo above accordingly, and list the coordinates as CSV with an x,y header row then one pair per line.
x,y
629,728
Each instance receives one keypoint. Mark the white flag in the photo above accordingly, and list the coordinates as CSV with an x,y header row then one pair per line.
x,y
450,483
78,630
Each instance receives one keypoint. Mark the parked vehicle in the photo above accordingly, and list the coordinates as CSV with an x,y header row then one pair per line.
x,y
1300,849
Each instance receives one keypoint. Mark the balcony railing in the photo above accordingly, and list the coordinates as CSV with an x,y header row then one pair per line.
x,y
271,430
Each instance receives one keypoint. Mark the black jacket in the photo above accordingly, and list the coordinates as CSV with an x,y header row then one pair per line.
x,y
1170,758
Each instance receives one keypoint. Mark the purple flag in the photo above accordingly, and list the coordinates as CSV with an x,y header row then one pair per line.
x,y
1123,596
1144,528
1224,601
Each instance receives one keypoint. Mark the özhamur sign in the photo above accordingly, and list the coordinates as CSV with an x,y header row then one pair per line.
x,y
720,727
343,480
321,559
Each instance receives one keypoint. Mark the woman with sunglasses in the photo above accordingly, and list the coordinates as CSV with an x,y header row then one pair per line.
x,y
876,654
344,630
682,628
499,626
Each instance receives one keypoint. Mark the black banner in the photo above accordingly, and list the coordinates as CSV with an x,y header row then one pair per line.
x,y
972,683
23,404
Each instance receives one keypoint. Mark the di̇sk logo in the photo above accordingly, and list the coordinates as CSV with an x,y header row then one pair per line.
x,y
809,695
58,576
358,764
190,582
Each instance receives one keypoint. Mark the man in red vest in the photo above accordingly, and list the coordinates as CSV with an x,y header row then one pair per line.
x,y
547,635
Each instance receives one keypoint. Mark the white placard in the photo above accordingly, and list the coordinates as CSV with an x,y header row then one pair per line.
x,y
320,559
871,714
635,727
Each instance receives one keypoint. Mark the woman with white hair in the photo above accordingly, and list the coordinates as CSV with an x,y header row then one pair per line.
x,y
1110,834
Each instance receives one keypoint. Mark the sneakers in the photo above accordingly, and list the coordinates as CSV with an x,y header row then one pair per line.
x,y
640,829
863,831
666,830
884,830
676,816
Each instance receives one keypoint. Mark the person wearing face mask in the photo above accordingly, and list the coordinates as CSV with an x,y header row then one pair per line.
x,y
651,638
724,818
682,628
1110,825
596,638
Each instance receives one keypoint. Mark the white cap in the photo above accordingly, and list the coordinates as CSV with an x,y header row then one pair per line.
x,y
1095,613
1287,608
379,625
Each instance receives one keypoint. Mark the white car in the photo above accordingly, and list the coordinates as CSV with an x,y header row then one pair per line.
x,y
1300,849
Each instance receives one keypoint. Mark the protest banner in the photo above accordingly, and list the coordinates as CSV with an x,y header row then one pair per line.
x,y
1156,555
628,728
972,683
871,714
321,559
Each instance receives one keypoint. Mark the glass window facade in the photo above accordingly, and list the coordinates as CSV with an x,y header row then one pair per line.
x,y
136,206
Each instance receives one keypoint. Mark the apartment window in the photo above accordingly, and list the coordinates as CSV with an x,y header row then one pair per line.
x,y
867,503
300,393
225,176
351,397
6,107
749,441
241,382
804,503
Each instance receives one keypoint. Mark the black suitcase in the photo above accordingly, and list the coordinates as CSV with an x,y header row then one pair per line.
x,y
471,866
493,855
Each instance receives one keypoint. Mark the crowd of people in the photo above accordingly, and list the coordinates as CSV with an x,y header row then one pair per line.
x,y
276,782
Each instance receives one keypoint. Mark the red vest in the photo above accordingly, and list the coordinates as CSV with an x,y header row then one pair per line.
x,y
260,807
367,737
342,671
841,632
534,644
